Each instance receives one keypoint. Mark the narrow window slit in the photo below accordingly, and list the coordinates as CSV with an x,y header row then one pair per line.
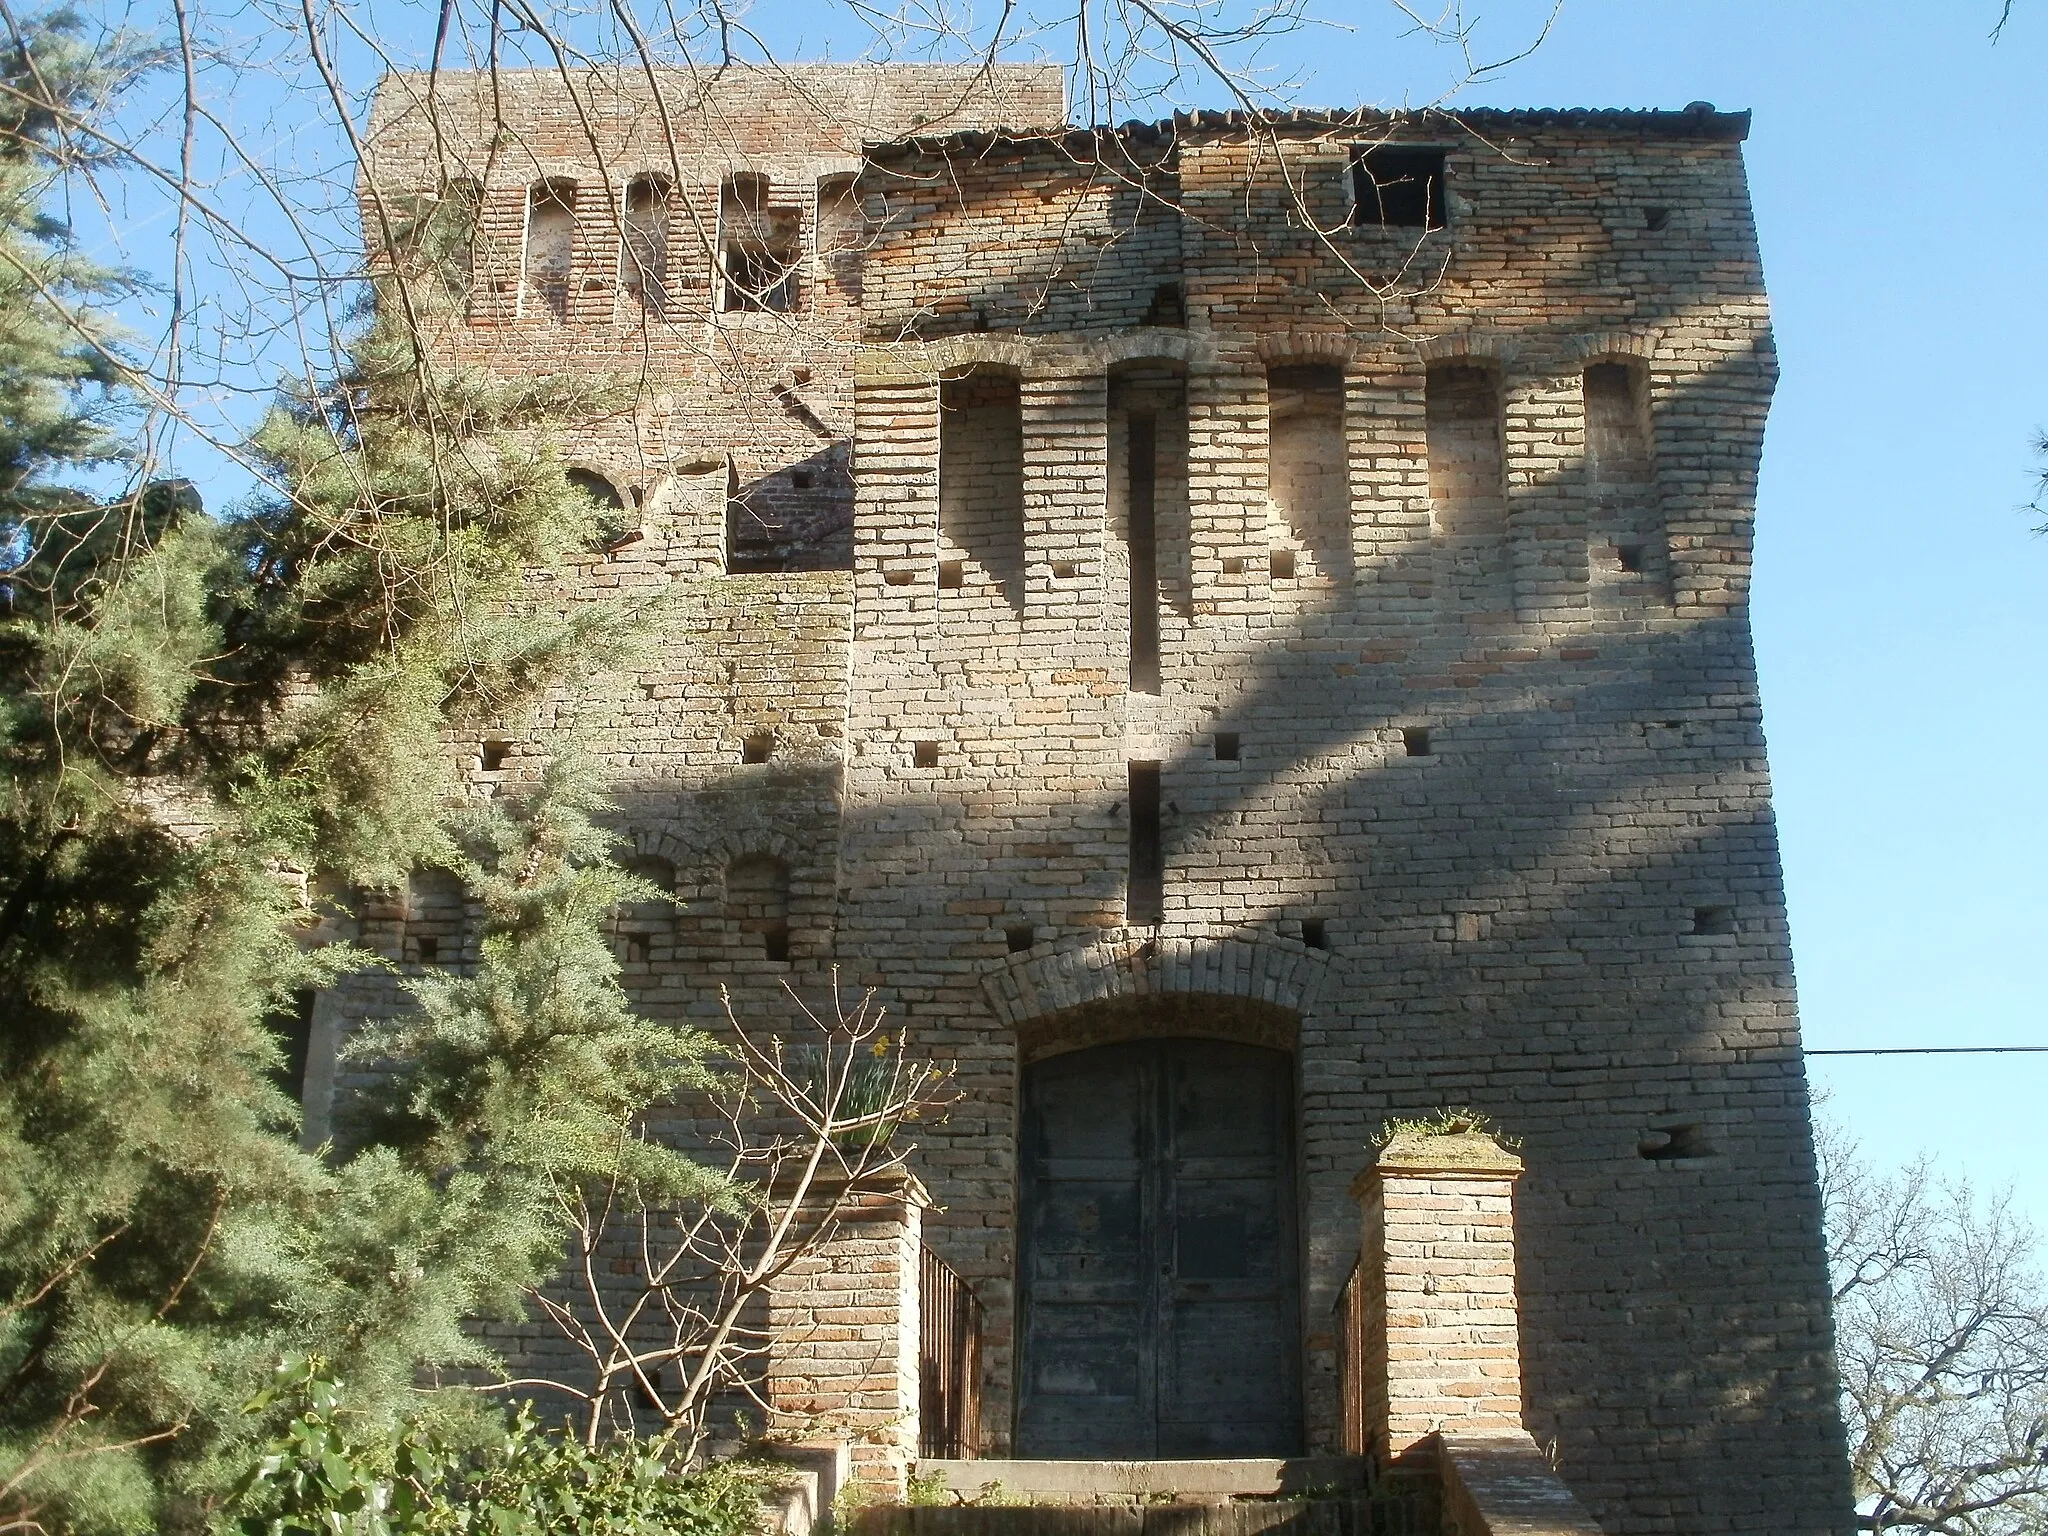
x,y
1148,868
1313,934
1144,551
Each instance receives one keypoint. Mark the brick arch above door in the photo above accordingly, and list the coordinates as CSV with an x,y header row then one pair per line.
x,y
1281,973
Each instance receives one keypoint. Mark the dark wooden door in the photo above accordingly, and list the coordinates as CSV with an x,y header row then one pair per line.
x,y
1158,1298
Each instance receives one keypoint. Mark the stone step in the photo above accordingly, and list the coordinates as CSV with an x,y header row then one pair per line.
x,y
1348,1515
1086,1482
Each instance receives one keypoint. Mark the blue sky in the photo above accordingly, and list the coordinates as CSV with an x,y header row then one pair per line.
x,y
1901,602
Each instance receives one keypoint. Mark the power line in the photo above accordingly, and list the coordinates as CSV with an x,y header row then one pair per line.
x,y
1940,1050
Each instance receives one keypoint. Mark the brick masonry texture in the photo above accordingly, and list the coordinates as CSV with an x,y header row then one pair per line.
x,y
1453,536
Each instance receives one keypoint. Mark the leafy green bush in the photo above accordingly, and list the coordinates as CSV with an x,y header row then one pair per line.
x,y
330,1472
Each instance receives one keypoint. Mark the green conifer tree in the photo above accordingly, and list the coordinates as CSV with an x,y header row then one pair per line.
x,y
189,708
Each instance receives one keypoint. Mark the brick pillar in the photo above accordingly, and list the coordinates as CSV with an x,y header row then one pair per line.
x,y
1440,1349
843,1332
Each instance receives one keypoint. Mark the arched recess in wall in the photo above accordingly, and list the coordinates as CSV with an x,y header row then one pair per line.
x,y
613,520
757,905
981,487
841,239
549,249
1628,550
1308,479
645,931
1148,503
435,918
1468,485
643,246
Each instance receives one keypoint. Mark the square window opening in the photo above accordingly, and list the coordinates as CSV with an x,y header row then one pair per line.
x,y
1313,933
1397,186
1630,558
1226,746
758,747
1019,937
494,755
1415,741
952,575
1280,565
924,754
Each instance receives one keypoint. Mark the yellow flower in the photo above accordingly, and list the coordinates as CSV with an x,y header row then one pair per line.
x,y
880,1047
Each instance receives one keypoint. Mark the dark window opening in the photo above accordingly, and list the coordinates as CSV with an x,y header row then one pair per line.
x,y
760,249
1674,1143
1397,186
1415,740
952,575
494,755
1630,558
1313,933
1020,937
1226,746
1144,551
924,754
800,479
1280,565
1233,565
639,947
1656,219
293,1028
1148,865
758,747
775,941
428,948
1713,920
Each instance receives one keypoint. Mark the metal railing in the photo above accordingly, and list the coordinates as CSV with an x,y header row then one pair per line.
x,y
948,1361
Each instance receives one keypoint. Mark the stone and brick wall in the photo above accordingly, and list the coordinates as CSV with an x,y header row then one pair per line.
x,y
1493,823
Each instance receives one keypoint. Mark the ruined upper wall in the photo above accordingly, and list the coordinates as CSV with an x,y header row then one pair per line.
x,y
517,124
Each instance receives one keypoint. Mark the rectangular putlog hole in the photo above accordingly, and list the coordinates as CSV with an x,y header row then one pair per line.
x,y
924,754
1415,741
1713,921
494,755
1674,1143
758,747
1226,746
952,575
1313,933
1019,937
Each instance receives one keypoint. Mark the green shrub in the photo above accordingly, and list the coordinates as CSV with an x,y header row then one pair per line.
x,y
329,1472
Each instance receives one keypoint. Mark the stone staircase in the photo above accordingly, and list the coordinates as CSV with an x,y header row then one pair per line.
x,y
1300,1496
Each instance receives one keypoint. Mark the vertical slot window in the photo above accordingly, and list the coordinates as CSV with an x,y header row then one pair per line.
x,y
643,246
550,247
1142,463
1147,892
981,487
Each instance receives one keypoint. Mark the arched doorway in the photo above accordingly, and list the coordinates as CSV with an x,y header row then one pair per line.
x,y
1158,1277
